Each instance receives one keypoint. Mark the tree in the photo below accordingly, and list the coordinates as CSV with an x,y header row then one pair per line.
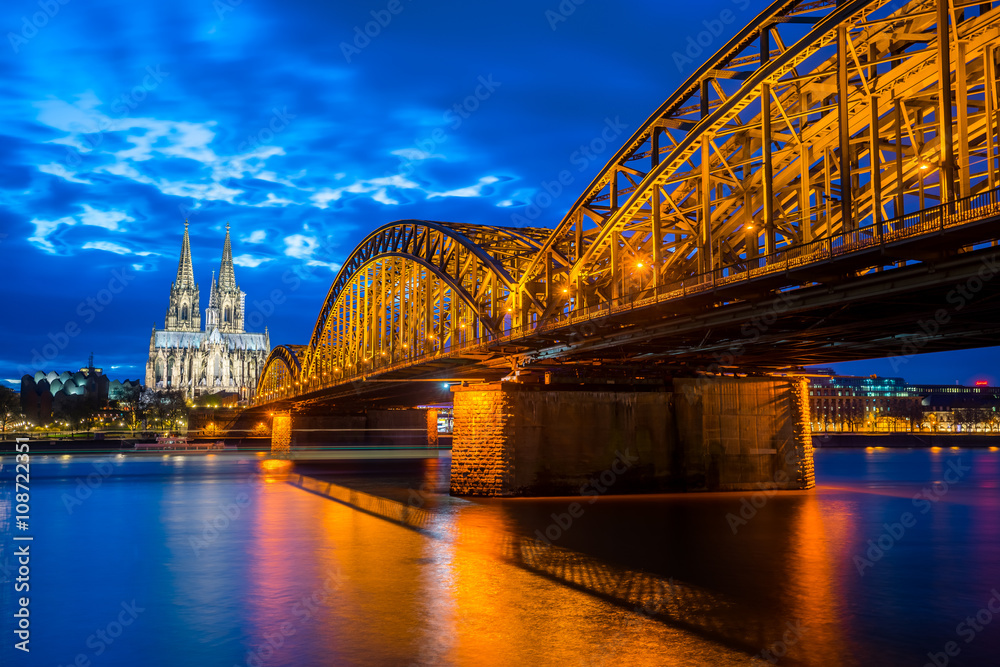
x,y
983,417
899,413
852,413
170,408
78,412
967,418
994,421
934,422
135,405
10,407
915,412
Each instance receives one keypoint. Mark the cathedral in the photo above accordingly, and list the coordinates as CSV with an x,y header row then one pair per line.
x,y
222,356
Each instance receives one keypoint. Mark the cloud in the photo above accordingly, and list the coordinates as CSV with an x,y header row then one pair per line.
x,y
274,201
210,191
300,246
91,216
61,171
303,247
333,266
106,219
322,198
470,191
415,154
107,246
256,236
149,143
250,260
43,228
250,163
383,198
377,187
274,178
115,248
151,137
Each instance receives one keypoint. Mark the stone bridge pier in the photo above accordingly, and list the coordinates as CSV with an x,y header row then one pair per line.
x,y
415,427
699,434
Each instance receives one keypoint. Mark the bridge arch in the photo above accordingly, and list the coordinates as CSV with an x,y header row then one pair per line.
x,y
417,287
281,374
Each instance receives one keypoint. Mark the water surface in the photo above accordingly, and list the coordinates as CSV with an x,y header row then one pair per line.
x,y
234,560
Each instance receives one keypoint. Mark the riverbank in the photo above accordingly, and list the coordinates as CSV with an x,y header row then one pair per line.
x,y
905,440
115,445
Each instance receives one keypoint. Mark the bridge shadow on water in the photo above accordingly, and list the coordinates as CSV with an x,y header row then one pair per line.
x,y
735,619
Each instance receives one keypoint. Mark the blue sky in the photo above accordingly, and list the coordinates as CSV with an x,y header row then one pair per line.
x,y
121,119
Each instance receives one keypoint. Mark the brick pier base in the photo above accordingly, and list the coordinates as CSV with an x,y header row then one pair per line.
x,y
724,434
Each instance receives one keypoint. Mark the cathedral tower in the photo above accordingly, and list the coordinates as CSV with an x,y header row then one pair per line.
x,y
184,312
227,299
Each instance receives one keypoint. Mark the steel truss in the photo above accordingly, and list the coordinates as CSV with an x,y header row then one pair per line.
x,y
817,121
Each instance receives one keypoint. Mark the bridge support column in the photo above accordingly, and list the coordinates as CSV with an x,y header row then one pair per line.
x,y
432,427
715,434
281,432
739,433
373,427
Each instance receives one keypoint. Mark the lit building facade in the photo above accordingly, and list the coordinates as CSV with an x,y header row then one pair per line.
x,y
872,403
212,355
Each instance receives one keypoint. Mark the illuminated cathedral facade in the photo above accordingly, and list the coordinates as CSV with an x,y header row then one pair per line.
x,y
220,356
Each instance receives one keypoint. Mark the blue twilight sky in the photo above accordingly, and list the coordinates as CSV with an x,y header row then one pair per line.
x,y
120,119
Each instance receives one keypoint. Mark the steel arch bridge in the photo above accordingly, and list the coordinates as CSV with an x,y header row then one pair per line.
x,y
820,130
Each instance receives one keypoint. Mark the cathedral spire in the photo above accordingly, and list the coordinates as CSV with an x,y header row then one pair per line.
x,y
227,277
183,312
213,296
185,272
227,298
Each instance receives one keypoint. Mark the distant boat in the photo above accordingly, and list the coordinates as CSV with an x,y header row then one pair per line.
x,y
179,443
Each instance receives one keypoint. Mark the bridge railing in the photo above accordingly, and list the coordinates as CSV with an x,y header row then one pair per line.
x,y
933,219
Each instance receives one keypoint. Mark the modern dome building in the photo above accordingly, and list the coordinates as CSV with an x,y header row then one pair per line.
x,y
45,394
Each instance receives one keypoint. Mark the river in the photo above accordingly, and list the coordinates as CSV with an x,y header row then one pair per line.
x,y
234,560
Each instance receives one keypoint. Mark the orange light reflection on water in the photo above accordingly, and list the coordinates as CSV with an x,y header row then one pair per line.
x,y
818,558
461,588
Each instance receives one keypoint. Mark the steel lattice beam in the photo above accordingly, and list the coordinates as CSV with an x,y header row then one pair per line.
x,y
819,128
